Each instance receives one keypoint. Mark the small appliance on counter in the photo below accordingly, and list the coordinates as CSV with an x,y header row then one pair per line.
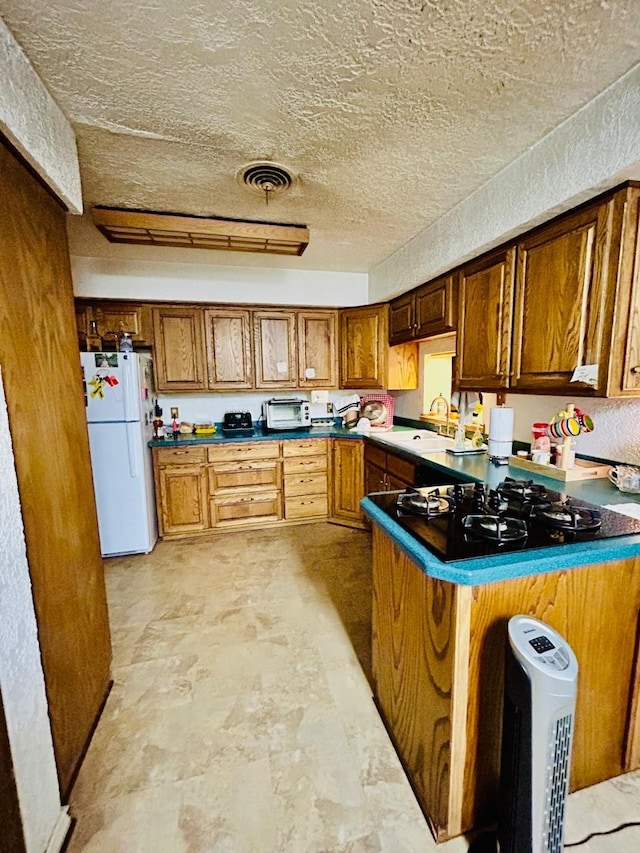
x,y
282,413
239,424
500,435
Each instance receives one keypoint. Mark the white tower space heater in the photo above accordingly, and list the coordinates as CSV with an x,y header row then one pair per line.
x,y
540,684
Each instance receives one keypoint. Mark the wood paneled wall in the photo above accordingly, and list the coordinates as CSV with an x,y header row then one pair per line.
x,y
42,377
11,835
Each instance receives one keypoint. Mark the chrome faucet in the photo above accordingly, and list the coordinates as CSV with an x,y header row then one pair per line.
x,y
439,407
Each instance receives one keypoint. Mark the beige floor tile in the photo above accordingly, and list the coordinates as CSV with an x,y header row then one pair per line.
x,y
241,716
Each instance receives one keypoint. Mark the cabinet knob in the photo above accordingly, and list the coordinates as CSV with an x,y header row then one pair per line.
x,y
636,369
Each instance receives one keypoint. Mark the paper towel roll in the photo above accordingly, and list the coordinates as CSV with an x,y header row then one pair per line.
x,y
500,424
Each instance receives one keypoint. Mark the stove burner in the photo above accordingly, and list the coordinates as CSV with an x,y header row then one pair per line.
x,y
563,516
430,505
523,490
495,528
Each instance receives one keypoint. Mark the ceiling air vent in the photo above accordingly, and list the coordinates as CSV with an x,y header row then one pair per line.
x,y
266,178
150,228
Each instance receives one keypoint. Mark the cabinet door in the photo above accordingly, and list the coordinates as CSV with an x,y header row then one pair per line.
x,y
229,351
317,353
560,301
402,318
114,318
348,480
363,347
183,499
484,322
374,479
179,351
274,335
436,307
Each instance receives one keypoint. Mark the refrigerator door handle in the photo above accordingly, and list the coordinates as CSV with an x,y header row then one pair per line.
x,y
131,448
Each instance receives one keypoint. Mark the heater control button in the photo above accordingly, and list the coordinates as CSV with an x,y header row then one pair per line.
x,y
541,644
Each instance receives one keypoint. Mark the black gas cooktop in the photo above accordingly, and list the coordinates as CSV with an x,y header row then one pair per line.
x,y
472,520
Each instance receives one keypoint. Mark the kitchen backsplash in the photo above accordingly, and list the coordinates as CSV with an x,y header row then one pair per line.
x,y
196,408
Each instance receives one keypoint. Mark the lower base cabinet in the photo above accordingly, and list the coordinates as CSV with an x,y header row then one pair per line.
x,y
214,487
305,466
347,471
181,490
438,671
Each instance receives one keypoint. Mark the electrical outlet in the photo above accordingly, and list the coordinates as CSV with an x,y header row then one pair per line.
x,y
329,408
174,413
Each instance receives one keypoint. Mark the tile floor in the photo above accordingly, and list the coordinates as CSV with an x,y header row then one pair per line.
x,y
241,720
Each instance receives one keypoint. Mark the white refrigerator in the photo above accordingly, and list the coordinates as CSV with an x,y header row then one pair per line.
x,y
118,394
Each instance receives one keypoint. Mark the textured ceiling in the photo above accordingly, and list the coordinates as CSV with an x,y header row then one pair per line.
x,y
390,112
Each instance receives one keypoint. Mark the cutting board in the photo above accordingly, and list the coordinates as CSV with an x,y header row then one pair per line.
x,y
583,470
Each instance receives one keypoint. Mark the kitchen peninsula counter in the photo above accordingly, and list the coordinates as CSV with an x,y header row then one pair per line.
x,y
438,638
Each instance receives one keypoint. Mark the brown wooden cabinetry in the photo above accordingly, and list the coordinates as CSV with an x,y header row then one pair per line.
x,y
568,296
305,467
274,334
317,349
245,484
366,360
484,322
385,470
181,489
229,349
179,349
108,320
438,663
425,311
347,471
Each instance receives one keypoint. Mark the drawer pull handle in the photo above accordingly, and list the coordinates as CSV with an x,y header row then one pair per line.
x,y
636,369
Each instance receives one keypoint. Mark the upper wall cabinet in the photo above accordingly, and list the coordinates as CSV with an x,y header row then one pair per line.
x,y
428,310
229,349
365,358
484,322
274,338
317,349
566,296
179,350
560,300
109,320
576,302
363,347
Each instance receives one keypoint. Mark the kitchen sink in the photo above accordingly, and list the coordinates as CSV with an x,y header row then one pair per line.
x,y
418,440
407,435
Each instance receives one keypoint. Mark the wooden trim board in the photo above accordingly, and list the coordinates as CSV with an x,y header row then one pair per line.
x,y
583,470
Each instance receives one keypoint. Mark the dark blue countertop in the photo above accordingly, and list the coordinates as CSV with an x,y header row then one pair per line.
x,y
502,567
479,570
260,434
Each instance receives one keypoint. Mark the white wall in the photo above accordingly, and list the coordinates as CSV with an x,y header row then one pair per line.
x,y
594,150
118,278
34,124
616,435
21,675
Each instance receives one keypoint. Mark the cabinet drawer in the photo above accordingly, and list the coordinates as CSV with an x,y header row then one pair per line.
x,y
180,455
244,450
305,484
260,474
238,510
376,455
306,506
306,463
401,468
304,447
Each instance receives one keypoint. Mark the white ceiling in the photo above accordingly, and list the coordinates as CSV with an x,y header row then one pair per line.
x,y
389,111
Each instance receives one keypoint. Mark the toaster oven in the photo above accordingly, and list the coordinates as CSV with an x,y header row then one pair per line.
x,y
282,413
